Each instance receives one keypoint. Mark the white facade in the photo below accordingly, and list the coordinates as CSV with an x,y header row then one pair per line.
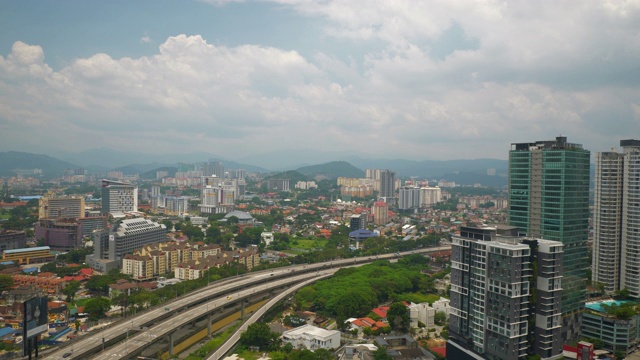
x,y
304,185
430,196
311,337
607,217
267,237
408,198
423,313
442,305
119,197
616,219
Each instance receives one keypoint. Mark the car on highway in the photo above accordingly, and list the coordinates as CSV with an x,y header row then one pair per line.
x,y
66,355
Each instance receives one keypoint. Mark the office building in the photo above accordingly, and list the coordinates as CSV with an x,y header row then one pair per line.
x,y
51,206
59,234
549,199
616,219
218,195
500,308
358,222
110,245
119,197
12,239
91,223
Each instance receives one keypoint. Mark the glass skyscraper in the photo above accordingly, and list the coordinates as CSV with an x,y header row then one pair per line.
x,y
549,199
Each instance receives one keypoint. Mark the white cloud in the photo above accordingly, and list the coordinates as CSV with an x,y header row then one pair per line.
x,y
534,71
145,39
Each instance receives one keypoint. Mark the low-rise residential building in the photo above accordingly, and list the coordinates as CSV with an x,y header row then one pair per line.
x,y
46,283
421,313
195,268
311,337
442,304
140,267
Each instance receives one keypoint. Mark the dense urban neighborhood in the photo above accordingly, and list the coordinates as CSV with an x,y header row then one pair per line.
x,y
203,262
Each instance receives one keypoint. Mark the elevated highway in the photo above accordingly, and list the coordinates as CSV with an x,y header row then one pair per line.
x,y
129,337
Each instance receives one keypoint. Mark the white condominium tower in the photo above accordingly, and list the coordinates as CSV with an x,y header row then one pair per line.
x,y
616,219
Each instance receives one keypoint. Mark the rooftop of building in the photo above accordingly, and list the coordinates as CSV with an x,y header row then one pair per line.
x,y
33,249
310,330
241,215
598,305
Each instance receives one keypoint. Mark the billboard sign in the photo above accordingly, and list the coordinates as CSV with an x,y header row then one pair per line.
x,y
36,319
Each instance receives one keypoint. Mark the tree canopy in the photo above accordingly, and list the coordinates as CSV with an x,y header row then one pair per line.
x,y
259,334
353,292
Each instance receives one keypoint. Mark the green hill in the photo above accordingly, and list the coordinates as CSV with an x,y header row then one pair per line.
x,y
151,174
293,176
332,170
14,160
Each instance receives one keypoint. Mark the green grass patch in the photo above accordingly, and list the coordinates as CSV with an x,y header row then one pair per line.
x,y
82,302
249,355
212,344
4,216
308,244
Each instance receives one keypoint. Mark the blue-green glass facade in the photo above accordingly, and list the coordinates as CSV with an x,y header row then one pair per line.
x,y
549,198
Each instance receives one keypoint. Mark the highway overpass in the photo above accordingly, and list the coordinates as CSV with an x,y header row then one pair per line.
x,y
128,337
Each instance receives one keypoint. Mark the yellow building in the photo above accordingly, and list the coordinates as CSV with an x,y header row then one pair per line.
x,y
26,256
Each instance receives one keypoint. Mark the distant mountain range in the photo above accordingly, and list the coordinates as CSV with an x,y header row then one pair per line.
x,y
11,161
99,161
332,170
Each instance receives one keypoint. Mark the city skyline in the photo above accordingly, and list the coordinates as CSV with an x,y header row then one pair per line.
x,y
454,80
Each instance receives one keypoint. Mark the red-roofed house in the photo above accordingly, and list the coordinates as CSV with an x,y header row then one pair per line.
x,y
442,351
381,311
86,272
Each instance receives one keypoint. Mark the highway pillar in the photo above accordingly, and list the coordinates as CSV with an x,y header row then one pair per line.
x,y
171,344
242,309
209,324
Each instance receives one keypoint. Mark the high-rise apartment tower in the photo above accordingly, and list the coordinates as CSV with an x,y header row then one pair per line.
x,y
616,219
387,184
505,295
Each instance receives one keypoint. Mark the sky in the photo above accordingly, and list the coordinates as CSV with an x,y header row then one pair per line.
x,y
419,80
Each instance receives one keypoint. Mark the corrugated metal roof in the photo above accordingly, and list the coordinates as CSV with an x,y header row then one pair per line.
x,y
27,249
